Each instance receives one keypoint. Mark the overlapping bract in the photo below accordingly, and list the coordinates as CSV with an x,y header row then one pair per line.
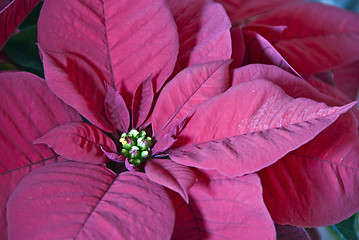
x,y
121,65
323,50
97,205
28,111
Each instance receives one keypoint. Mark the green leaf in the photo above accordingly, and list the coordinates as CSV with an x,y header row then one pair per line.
x,y
348,229
22,50
6,66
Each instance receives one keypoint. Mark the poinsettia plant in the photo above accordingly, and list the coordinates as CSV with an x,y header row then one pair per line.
x,y
149,130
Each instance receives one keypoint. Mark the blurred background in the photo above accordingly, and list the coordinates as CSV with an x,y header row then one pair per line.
x,y
352,5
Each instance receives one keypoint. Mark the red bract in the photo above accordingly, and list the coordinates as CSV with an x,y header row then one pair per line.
x,y
319,44
213,202
28,110
72,208
321,169
315,38
160,67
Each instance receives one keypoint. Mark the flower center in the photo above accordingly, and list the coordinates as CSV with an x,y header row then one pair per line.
x,y
135,146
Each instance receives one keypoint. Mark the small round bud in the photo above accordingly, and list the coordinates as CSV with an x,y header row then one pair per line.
x,y
128,143
143,144
133,133
144,154
149,140
134,152
136,162
142,134
123,141
125,153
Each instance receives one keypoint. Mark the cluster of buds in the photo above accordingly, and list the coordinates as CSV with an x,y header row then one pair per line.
x,y
135,146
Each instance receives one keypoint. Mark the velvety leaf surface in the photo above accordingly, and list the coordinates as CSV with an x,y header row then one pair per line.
x,y
79,141
189,88
123,42
12,15
253,124
28,110
287,232
320,178
116,110
72,200
204,31
172,175
142,102
321,36
240,10
223,208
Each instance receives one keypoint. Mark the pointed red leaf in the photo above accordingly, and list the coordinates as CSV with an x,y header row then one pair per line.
x,y
204,31
125,41
163,144
114,156
142,102
253,124
223,208
287,232
320,36
240,10
78,141
28,110
189,88
116,110
84,201
12,15
77,82
238,44
291,85
260,50
316,184
172,175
